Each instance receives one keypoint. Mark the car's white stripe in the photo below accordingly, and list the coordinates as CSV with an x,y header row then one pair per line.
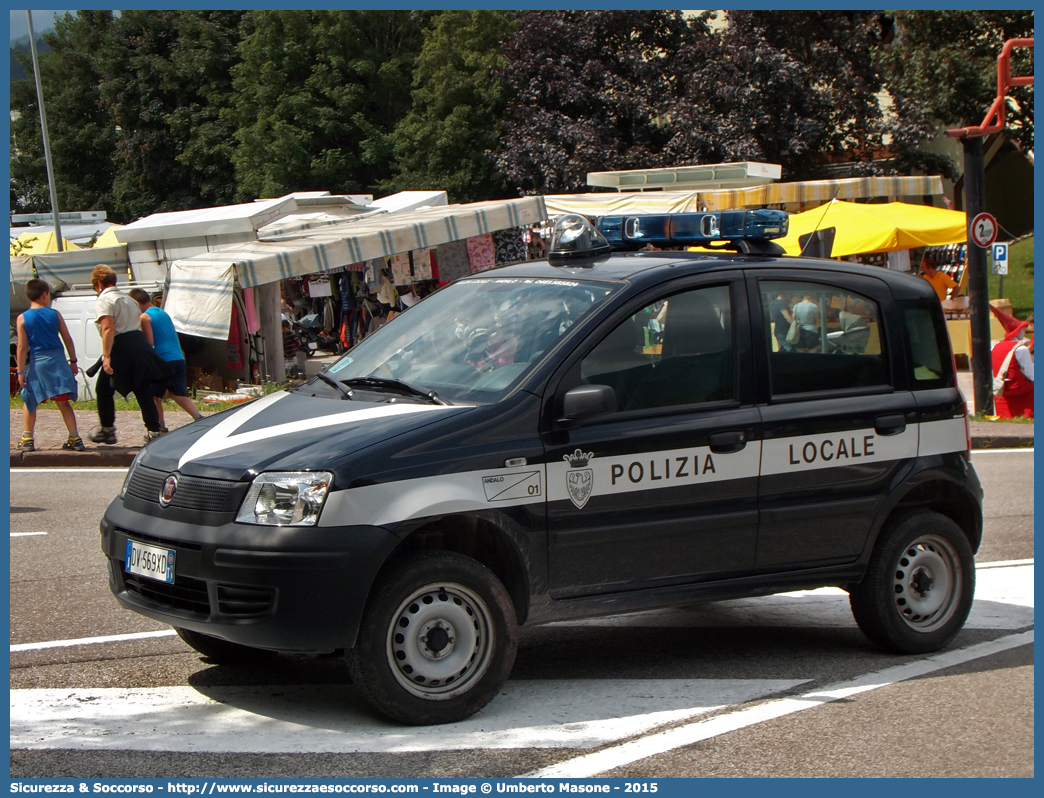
x,y
222,437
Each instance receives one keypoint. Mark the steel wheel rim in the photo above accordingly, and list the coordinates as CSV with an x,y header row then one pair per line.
x,y
440,641
927,583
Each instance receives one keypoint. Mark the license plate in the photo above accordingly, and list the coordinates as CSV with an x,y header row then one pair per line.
x,y
150,561
313,345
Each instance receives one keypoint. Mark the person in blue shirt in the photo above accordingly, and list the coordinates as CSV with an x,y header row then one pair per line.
x,y
43,372
159,331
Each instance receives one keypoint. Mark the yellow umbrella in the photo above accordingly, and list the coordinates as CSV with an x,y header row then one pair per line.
x,y
862,227
108,238
30,243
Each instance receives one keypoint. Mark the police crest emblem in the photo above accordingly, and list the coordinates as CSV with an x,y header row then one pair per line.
x,y
579,478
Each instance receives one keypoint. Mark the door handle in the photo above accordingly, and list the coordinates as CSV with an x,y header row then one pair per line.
x,y
890,425
728,442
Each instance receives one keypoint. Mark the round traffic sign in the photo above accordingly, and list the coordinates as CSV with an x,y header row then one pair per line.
x,y
984,230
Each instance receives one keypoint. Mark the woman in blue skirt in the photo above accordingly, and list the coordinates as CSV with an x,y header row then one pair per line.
x,y
43,372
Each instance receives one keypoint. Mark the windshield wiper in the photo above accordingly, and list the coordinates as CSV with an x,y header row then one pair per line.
x,y
346,393
396,386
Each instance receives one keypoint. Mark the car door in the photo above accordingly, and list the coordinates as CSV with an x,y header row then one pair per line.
x,y
838,419
664,490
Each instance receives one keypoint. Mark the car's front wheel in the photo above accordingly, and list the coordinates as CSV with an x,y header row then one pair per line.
x,y
437,640
918,588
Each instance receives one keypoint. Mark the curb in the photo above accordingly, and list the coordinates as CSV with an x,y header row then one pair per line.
x,y
115,457
1002,442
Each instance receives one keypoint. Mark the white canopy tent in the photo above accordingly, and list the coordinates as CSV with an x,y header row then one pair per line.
x,y
200,294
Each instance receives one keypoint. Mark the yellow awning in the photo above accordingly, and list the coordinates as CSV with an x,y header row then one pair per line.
x,y
108,238
862,227
30,243
817,191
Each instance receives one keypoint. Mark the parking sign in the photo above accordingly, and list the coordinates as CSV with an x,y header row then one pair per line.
x,y
1000,258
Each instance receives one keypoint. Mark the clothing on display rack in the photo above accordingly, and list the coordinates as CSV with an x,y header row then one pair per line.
x,y
509,246
481,255
453,260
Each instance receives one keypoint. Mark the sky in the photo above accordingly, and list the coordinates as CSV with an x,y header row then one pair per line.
x,y
42,21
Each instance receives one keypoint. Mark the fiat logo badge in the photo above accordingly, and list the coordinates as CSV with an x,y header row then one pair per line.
x,y
170,487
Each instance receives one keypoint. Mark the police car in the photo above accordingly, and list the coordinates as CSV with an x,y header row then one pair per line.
x,y
602,432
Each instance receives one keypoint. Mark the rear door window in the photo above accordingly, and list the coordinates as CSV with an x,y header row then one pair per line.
x,y
821,338
928,347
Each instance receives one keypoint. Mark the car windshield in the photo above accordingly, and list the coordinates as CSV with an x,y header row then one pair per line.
x,y
475,339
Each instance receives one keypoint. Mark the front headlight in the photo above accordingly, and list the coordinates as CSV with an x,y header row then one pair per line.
x,y
130,471
286,498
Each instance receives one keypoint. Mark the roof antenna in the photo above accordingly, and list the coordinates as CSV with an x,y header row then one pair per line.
x,y
812,235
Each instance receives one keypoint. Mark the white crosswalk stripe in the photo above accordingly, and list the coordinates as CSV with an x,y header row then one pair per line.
x,y
561,714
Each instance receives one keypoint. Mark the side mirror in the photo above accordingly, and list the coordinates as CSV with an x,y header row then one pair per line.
x,y
584,402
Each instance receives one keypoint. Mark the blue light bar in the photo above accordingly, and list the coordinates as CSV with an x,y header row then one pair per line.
x,y
681,229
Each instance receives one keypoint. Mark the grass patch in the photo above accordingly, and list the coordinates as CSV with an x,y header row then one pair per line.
x,y
169,406
1018,282
995,420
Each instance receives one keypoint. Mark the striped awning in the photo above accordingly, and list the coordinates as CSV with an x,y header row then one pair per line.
x,y
202,285
815,192
619,204
75,265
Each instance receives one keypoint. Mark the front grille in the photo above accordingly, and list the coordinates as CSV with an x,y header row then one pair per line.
x,y
186,594
166,543
193,493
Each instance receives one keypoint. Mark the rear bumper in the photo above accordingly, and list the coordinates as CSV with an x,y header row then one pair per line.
x,y
278,588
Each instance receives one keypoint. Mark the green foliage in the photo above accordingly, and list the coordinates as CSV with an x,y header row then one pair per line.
x,y
318,95
1018,282
447,138
81,131
948,59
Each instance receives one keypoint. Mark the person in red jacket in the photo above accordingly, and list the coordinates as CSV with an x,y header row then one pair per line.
x,y
1017,397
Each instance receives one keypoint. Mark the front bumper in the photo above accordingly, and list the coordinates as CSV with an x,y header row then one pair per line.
x,y
278,588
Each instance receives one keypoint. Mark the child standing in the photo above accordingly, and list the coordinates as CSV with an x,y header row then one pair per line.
x,y
43,373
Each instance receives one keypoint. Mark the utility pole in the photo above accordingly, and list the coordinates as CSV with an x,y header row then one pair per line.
x,y
974,204
43,130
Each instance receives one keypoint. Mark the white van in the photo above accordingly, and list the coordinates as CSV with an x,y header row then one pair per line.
x,y
77,308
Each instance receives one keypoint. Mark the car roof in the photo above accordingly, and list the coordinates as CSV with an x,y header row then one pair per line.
x,y
649,268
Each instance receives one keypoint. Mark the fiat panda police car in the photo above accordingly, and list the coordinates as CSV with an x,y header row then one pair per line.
x,y
597,433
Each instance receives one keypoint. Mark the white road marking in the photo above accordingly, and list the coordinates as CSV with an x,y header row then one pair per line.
x,y
544,714
580,713
1003,451
89,641
27,534
1003,563
626,753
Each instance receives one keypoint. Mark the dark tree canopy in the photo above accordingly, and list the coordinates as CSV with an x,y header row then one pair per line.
x,y
165,110
947,60
448,138
589,92
318,95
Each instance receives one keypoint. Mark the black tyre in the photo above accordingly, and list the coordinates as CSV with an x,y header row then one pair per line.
x,y
222,651
918,588
438,639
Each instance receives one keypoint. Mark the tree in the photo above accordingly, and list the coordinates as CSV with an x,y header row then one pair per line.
x,y
318,96
588,94
947,60
798,89
81,131
448,138
163,88
133,113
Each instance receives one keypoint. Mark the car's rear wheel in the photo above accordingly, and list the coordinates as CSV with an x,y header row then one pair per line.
x,y
437,640
918,588
221,651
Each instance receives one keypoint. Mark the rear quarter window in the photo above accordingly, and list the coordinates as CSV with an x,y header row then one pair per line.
x,y
928,347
